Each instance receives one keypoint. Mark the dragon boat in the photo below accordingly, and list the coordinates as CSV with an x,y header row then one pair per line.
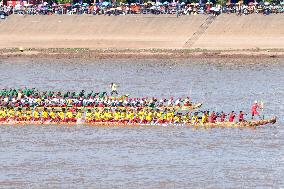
x,y
245,124
176,108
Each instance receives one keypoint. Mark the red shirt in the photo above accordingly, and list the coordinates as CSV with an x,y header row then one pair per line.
x,y
213,118
241,117
223,116
254,108
231,117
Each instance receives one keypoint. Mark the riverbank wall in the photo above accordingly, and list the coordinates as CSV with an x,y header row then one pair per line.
x,y
225,32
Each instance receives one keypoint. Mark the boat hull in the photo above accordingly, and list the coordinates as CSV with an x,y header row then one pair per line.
x,y
117,124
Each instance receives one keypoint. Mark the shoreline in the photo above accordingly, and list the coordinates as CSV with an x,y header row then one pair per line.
x,y
86,53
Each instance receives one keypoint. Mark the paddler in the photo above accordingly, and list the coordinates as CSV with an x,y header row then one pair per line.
x,y
61,115
78,115
222,116
69,116
88,116
241,116
28,115
204,118
44,115
35,115
194,119
232,116
52,115
3,114
18,114
213,117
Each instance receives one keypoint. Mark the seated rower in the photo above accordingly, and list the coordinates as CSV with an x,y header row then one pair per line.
x,y
204,118
222,117
241,116
232,116
35,115
195,119
213,117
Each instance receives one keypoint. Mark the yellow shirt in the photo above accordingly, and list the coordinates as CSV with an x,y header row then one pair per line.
x,y
2,114
69,114
89,116
204,118
149,117
130,116
78,115
194,119
11,113
18,114
52,115
36,114
177,119
28,114
44,114
61,115
97,115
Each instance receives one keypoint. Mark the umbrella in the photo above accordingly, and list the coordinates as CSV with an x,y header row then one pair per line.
x,y
266,3
67,4
105,3
158,3
85,4
166,3
250,3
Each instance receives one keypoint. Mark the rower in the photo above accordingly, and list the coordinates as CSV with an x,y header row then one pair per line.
x,y
241,116
213,117
194,119
204,118
232,116
222,117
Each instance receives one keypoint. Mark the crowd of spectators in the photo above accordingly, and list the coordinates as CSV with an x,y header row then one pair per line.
x,y
106,8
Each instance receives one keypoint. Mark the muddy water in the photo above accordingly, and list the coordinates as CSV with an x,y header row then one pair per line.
x,y
91,157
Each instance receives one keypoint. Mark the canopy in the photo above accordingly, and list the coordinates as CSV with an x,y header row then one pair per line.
x,y
266,3
105,3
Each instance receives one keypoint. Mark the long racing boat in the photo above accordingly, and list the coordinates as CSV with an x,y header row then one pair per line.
x,y
245,124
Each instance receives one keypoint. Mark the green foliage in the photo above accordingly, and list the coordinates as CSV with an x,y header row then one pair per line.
x,y
64,1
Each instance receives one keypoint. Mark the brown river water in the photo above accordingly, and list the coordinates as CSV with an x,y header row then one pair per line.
x,y
161,157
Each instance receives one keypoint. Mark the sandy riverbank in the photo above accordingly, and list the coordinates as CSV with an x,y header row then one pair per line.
x,y
141,54
226,32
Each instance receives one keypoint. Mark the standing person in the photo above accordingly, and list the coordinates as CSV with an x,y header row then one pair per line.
x,y
254,111
113,87
177,7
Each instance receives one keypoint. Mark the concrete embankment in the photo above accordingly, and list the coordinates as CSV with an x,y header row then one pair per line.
x,y
143,31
